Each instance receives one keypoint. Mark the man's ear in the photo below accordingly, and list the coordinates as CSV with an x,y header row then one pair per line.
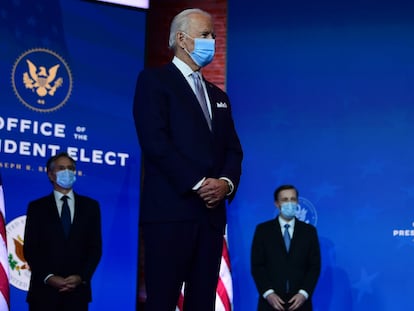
x,y
276,204
179,38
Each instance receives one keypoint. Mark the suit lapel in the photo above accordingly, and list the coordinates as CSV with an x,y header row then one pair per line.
x,y
179,84
278,235
297,234
54,216
77,213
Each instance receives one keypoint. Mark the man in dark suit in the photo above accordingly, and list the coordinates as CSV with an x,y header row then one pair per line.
x,y
62,262
192,166
285,273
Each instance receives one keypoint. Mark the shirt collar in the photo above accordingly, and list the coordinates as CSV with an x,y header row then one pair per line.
x,y
58,195
283,222
183,67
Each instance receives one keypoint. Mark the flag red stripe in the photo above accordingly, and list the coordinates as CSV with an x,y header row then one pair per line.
x,y
4,277
4,286
224,297
3,228
180,302
225,253
221,291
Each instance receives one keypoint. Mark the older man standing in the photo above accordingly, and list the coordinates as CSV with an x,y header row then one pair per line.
x,y
192,166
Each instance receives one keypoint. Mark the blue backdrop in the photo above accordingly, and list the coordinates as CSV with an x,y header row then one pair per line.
x,y
86,109
323,98
323,95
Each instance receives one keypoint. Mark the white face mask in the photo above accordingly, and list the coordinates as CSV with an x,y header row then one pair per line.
x,y
65,178
289,209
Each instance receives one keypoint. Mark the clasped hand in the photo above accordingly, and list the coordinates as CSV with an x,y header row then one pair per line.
x,y
278,304
67,284
212,191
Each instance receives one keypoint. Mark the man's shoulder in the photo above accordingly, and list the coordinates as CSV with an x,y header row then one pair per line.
x,y
40,200
161,75
85,199
159,70
305,226
267,224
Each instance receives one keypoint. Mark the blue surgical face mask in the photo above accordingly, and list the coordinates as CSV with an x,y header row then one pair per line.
x,y
65,178
289,209
203,52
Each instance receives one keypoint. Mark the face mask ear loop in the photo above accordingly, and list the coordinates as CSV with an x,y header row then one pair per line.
x,y
185,49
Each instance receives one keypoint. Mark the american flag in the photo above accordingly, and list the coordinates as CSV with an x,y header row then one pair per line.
x,y
224,291
4,266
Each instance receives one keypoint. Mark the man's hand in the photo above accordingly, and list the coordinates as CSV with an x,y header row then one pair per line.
x,y
72,281
64,284
213,191
275,301
296,301
56,282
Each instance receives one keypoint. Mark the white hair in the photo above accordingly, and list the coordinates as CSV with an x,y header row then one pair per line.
x,y
181,22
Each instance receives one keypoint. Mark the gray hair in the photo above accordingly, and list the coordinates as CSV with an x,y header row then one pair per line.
x,y
181,22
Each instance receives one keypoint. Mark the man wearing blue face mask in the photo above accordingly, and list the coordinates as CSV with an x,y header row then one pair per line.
x,y
285,257
62,242
192,166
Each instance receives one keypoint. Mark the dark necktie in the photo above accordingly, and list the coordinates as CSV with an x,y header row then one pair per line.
x,y
286,237
201,97
65,215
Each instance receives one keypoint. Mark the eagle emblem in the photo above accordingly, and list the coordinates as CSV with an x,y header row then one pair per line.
x,y
14,264
40,80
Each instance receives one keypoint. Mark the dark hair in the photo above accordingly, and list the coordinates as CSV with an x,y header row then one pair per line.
x,y
284,187
51,162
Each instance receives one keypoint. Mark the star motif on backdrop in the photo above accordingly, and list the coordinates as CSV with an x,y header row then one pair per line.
x,y
325,190
278,118
372,167
349,102
409,191
404,241
398,120
249,217
32,21
3,14
366,213
285,171
364,285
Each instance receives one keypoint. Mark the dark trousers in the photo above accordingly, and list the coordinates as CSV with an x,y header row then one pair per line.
x,y
180,252
61,305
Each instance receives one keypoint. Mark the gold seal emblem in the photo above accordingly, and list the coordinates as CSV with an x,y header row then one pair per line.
x,y
42,80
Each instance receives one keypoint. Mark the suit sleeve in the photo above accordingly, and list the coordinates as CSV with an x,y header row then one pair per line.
x,y
33,243
258,263
314,263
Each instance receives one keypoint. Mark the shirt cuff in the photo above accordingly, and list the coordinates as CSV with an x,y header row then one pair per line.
x,y
304,293
198,185
47,278
230,183
268,292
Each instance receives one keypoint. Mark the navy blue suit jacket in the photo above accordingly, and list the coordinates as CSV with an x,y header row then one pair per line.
x,y
48,251
272,265
178,147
